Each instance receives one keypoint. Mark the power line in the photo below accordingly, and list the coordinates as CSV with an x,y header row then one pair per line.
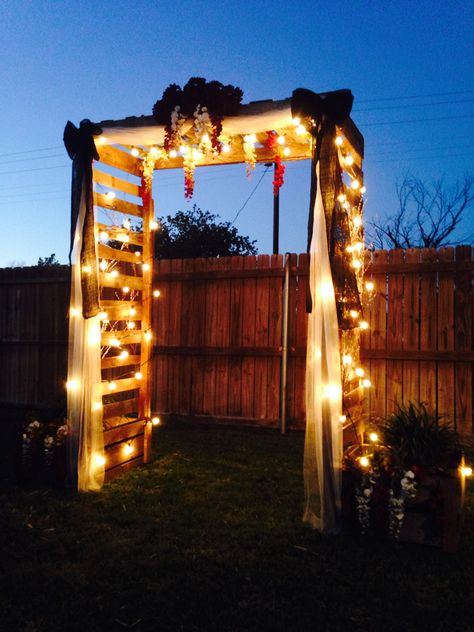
x,y
412,105
424,120
252,192
7,173
30,151
417,96
7,162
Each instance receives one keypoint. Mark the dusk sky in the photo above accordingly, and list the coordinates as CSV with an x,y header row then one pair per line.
x,y
408,63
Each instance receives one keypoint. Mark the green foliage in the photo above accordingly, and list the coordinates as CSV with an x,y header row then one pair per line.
x,y
197,233
416,437
48,261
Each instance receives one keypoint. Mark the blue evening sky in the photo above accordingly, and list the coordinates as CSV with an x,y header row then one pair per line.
x,y
409,64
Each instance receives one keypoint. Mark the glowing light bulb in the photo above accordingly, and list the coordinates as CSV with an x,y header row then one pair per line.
x,y
114,342
145,267
466,470
72,385
155,152
131,324
358,246
97,406
363,189
183,149
357,221
123,238
226,148
86,269
135,152
332,391
374,437
327,290
132,311
128,449
364,324
103,316
114,274
124,354
339,140
349,248
360,372
355,184
137,253
252,138
347,359
103,265
148,335
300,130
74,311
138,375
366,383
348,160
156,293
364,461
112,386
110,195
356,264
353,313
369,286
103,235
341,197
296,121
342,419
125,289
155,421
99,460
101,140
286,151
173,153
205,138
154,225
281,140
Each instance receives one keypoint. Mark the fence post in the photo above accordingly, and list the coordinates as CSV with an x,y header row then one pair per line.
x,y
284,345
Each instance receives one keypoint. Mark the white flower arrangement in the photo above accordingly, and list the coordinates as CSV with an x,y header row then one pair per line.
x,y
396,503
363,496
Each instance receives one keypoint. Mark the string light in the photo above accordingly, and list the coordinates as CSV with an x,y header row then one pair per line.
x,y
353,313
110,195
369,286
156,421
103,265
72,385
374,437
348,160
145,267
366,383
125,289
103,235
296,121
112,386
131,324
86,269
114,274
332,391
173,153
363,189
97,406
74,311
124,354
300,130
135,152
341,197
342,419
103,316
226,148
99,460
148,335
114,342
356,264
364,461
137,253
132,311
357,221
364,324
155,152
339,140
360,372
466,470
156,293
281,140
154,225
347,359
128,449
355,184
286,151
138,375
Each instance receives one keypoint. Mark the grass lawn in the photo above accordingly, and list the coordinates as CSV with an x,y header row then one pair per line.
x,y
209,537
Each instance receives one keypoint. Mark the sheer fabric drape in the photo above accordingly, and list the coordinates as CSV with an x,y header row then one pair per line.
x,y
84,402
323,441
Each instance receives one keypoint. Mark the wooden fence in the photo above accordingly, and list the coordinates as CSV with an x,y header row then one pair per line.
x,y
420,343
218,351
218,325
34,305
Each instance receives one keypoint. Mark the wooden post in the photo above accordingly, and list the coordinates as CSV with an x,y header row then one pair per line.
x,y
144,403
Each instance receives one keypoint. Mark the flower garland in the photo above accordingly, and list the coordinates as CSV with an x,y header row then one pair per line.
x,y
396,503
208,103
249,152
148,167
273,145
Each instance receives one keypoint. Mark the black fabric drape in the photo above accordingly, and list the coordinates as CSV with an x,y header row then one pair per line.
x,y
321,114
81,149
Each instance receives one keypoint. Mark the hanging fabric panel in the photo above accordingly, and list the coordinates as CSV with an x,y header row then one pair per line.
x,y
323,442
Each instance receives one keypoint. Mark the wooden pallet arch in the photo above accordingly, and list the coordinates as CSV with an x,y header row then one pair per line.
x,y
116,264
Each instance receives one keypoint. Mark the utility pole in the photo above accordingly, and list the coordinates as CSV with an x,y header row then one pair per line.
x,y
276,217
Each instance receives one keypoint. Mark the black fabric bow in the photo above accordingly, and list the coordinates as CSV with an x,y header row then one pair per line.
x,y
320,114
81,149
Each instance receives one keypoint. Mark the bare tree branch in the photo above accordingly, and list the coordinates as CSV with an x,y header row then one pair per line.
x,y
427,215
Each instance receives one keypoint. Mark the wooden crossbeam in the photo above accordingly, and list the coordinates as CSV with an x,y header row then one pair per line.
x,y
120,160
113,182
107,252
117,361
118,233
125,337
122,408
120,310
127,384
106,279
117,205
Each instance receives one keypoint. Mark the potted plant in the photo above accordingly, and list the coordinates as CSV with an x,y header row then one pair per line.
x,y
406,482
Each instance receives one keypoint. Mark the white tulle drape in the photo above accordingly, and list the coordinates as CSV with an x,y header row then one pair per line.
x,y
84,402
323,441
